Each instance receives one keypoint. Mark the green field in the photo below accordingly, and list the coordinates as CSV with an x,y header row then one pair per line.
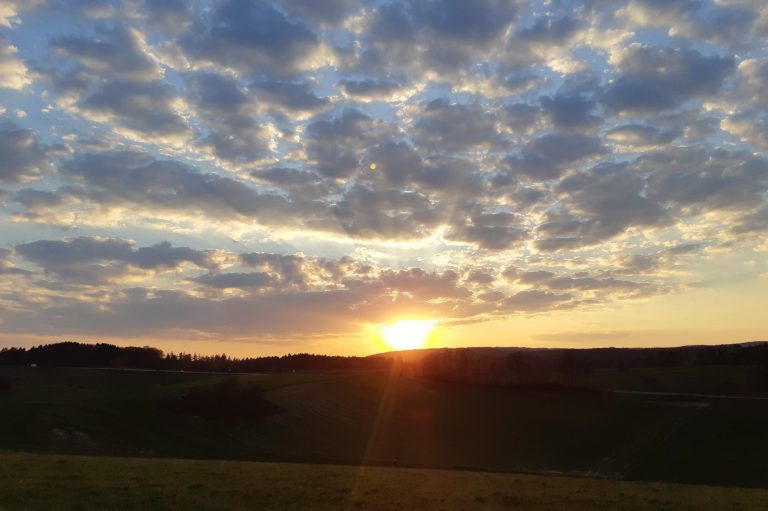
x,y
38,482
738,380
353,418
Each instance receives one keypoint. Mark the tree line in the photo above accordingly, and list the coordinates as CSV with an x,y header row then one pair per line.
x,y
75,354
574,367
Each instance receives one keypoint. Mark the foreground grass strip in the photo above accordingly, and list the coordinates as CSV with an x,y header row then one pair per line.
x,y
50,482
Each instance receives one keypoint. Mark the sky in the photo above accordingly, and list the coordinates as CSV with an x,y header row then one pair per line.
x,y
270,177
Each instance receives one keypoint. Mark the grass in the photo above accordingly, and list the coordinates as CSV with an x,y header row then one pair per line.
x,y
40,482
713,379
353,418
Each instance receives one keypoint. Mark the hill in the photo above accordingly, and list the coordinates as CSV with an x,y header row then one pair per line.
x,y
380,419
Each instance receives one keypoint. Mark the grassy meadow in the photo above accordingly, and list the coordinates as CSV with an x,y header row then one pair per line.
x,y
50,482
375,419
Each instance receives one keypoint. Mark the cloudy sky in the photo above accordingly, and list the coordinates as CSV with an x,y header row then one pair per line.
x,y
198,175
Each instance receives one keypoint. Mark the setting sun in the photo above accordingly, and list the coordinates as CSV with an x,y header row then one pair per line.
x,y
407,334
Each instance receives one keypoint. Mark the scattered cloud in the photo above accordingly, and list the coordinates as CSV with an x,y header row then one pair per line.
x,y
286,168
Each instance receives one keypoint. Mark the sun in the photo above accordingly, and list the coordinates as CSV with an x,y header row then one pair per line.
x,y
407,334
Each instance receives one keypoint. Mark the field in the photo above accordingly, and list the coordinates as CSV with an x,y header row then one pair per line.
x,y
354,418
736,380
40,482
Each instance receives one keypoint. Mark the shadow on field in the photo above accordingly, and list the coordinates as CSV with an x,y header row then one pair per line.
x,y
228,399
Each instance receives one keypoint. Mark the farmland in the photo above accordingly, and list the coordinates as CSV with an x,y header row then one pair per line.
x,y
375,419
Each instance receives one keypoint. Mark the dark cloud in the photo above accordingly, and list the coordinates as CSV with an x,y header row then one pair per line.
x,y
531,42
451,177
23,157
598,205
133,178
147,108
86,260
652,79
114,79
335,145
548,156
386,214
520,117
720,23
293,96
253,38
443,35
493,231
706,180
397,161
568,111
329,12
118,52
169,16
452,127
229,113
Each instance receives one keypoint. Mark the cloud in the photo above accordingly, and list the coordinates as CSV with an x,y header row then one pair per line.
x,y
374,89
652,79
535,301
113,79
134,178
568,111
548,156
439,35
91,260
452,127
526,159
255,280
330,12
641,135
7,268
228,111
13,71
598,205
297,183
398,161
23,156
720,23
493,231
172,17
118,52
706,180
146,110
335,145
386,214
292,96
253,38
